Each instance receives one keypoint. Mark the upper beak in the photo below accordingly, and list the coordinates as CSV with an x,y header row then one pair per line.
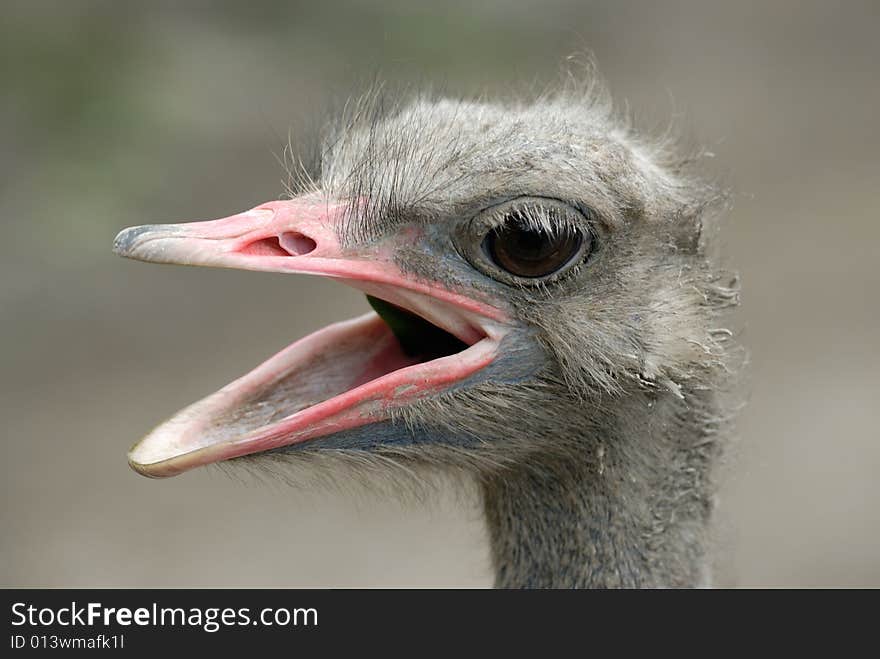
x,y
295,236
363,375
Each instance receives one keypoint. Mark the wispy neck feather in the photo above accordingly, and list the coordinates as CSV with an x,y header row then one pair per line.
x,y
633,512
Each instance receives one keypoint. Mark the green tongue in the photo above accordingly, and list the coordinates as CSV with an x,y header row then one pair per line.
x,y
417,337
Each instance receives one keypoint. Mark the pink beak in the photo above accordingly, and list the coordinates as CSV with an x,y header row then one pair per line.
x,y
347,375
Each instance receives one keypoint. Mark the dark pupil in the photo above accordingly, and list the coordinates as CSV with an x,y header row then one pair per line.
x,y
527,252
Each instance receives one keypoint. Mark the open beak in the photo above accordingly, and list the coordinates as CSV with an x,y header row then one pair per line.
x,y
346,375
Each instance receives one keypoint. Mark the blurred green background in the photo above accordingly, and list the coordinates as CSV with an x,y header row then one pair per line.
x,y
121,113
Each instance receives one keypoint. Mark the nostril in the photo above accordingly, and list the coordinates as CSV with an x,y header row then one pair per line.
x,y
290,243
296,244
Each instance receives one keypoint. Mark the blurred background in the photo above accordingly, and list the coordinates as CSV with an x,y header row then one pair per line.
x,y
119,113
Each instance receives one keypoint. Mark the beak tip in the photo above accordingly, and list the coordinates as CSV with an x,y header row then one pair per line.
x,y
139,469
123,244
136,464
148,470
146,460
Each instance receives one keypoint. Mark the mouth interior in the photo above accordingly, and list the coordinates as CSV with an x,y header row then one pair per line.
x,y
383,343
417,337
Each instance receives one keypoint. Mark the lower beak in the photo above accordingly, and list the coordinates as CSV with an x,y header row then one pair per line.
x,y
344,376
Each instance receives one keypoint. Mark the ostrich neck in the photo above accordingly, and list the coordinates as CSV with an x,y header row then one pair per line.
x,y
628,507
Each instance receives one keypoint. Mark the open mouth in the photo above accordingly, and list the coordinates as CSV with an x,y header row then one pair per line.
x,y
419,340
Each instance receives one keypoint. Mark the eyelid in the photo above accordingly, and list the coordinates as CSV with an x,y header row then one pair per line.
x,y
493,217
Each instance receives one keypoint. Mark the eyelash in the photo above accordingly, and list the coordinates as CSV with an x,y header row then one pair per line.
x,y
497,219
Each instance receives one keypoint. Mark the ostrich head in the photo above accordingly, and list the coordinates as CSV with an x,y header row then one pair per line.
x,y
545,318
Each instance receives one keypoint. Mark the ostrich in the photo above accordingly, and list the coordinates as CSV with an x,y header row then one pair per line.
x,y
546,320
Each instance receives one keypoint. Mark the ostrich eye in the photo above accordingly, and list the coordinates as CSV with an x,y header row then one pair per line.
x,y
527,240
527,251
